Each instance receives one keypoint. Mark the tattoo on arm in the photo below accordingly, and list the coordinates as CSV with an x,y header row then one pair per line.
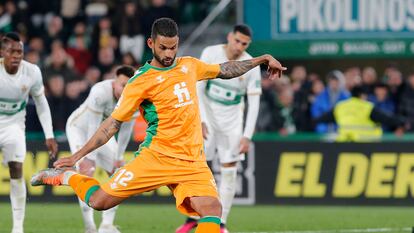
x,y
232,69
107,129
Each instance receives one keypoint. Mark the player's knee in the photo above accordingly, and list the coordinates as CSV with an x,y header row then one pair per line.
x,y
97,203
212,208
86,168
16,170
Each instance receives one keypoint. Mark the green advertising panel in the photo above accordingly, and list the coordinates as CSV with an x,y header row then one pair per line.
x,y
331,28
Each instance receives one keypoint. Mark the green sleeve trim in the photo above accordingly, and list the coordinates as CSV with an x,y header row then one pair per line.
x,y
89,193
210,219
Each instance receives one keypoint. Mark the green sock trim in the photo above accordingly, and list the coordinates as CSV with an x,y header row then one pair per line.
x,y
210,219
89,193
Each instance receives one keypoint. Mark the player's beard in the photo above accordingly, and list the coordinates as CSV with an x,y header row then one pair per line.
x,y
163,61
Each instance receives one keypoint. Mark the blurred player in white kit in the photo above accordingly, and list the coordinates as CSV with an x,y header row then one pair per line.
x,y
221,107
18,80
83,123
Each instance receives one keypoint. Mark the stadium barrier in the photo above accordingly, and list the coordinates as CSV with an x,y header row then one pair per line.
x,y
278,172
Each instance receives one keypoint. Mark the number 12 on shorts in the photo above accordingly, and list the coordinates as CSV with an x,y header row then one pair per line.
x,y
123,177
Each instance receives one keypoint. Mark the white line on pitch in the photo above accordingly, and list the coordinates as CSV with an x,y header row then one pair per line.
x,y
365,230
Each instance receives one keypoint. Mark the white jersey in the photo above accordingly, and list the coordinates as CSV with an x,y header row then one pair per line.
x,y
15,90
224,99
86,119
100,101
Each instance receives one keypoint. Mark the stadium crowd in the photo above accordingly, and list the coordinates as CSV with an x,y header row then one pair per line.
x,y
77,43
289,104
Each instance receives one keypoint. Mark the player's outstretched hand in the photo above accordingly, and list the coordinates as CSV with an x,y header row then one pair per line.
x,y
52,147
119,163
66,162
275,68
244,145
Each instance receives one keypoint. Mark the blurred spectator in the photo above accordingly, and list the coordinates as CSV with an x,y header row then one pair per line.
x,y
106,59
267,107
369,79
17,16
92,75
130,19
317,88
55,87
80,30
78,49
5,20
73,96
381,100
406,107
325,101
352,78
39,12
95,10
53,32
33,57
158,9
59,63
298,77
128,59
37,44
359,121
301,89
71,12
394,80
285,120
103,36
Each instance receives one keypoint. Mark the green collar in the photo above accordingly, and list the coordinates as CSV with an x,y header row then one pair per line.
x,y
148,65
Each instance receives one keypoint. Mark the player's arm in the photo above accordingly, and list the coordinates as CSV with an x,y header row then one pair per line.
x,y
107,129
254,90
128,103
43,112
232,69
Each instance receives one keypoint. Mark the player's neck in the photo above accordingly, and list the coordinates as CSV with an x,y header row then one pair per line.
x,y
11,70
229,55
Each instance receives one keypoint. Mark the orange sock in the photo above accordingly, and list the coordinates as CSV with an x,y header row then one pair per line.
x,y
209,224
84,186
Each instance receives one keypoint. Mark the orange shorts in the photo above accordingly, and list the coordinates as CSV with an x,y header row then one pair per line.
x,y
151,170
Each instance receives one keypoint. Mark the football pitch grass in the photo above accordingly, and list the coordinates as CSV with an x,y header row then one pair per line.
x,y
160,218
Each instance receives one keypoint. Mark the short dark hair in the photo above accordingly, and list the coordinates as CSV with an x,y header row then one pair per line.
x,y
125,70
10,36
243,29
357,91
164,27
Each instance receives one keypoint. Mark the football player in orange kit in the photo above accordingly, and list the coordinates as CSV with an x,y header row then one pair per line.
x,y
172,155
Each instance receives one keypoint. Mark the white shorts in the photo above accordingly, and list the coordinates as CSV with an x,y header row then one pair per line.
x,y
105,155
13,143
224,145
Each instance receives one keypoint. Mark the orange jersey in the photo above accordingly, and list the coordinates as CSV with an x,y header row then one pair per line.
x,y
167,98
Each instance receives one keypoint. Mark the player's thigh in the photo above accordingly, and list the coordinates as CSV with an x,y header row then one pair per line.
x,y
76,138
106,156
13,144
144,173
228,147
192,179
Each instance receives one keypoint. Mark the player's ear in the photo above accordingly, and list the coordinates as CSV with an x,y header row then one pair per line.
x,y
150,43
229,36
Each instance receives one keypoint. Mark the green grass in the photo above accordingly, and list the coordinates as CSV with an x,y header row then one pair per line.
x,y
140,218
